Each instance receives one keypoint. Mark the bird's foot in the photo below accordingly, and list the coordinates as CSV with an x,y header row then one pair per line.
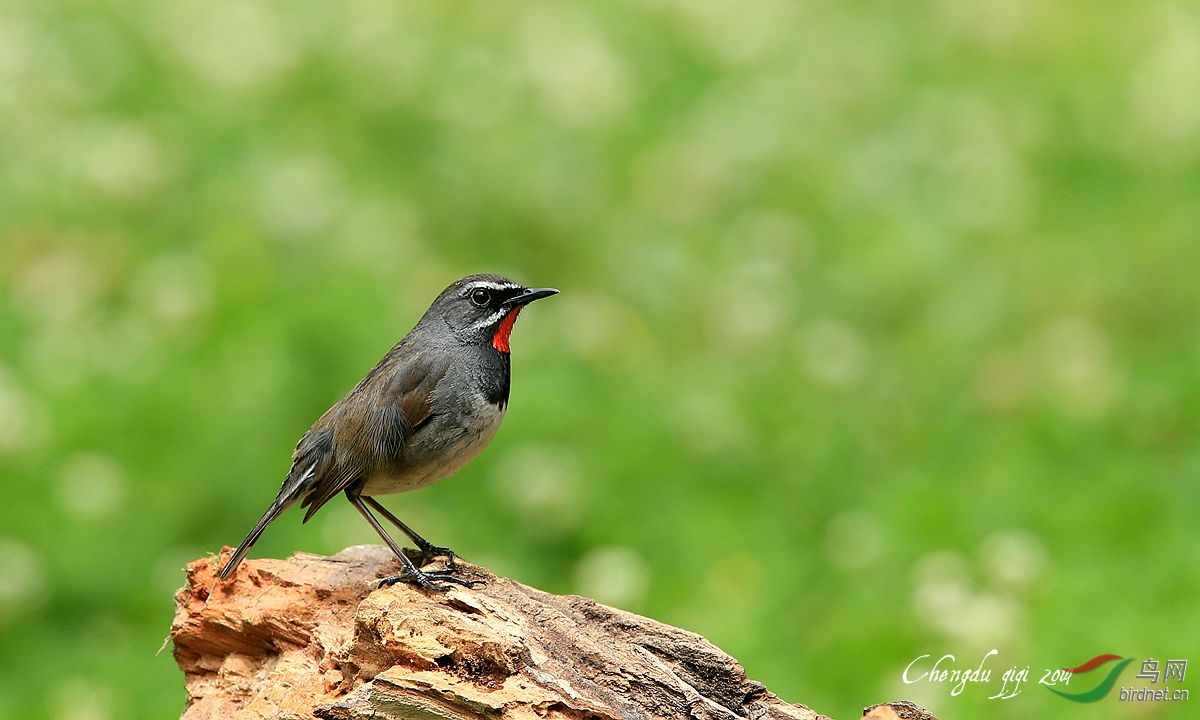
x,y
429,580
428,553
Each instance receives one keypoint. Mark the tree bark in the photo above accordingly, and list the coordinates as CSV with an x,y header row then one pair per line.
x,y
313,636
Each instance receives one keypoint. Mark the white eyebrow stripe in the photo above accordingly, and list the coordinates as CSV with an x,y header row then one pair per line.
x,y
488,284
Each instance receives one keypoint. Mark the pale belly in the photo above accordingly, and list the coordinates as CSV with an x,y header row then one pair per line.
x,y
436,453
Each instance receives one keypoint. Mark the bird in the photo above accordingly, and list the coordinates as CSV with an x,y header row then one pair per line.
x,y
423,412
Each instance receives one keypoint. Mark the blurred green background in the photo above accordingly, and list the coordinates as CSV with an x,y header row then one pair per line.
x,y
877,335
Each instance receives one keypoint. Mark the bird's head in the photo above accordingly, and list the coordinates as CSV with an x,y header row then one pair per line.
x,y
482,308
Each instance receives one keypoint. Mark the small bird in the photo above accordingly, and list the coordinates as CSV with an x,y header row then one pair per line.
x,y
426,410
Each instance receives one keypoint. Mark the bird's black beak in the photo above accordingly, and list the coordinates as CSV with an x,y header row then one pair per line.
x,y
528,295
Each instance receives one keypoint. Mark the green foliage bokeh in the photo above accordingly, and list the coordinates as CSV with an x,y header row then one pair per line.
x,y
877,334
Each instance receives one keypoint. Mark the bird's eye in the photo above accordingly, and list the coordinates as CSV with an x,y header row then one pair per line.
x,y
480,297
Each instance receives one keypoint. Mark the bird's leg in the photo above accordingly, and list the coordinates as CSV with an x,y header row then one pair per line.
x,y
412,574
429,551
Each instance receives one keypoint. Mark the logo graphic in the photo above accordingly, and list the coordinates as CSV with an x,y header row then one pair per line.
x,y
1158,681
1105,685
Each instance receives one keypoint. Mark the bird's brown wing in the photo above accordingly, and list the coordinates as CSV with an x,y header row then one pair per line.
x,y
372,423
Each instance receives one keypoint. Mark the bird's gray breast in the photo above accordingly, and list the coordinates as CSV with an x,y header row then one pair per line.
x,y
458,430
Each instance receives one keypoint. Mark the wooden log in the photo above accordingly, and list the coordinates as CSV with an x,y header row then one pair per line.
x,y
314,636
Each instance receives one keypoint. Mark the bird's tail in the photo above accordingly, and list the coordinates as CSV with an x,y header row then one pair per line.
x,y
251,538
288,494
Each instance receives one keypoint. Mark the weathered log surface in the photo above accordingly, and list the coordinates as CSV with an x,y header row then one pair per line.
x,y
313,636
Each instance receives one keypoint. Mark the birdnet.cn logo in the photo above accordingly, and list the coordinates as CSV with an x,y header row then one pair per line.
x,y
1161,680
1157,681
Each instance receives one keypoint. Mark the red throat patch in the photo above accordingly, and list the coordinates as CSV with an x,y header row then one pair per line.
x,y
500,339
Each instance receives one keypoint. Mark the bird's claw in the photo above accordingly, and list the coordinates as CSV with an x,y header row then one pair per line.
x,y
426,580
429,553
